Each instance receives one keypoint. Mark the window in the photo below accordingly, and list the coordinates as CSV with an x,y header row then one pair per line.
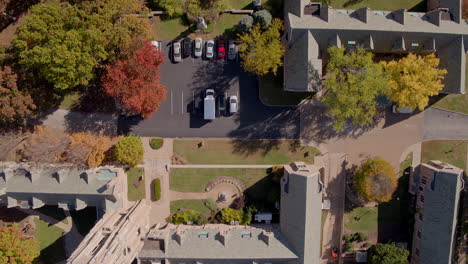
x,y
423,180
421,188
417,252
421,198
420,216
419,234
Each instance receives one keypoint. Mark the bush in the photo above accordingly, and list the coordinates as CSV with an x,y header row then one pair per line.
x,y
276,172
95,158
367,245
245,23
262,17
246,218
188,216
360,237
129,150
156,143
348,247
387,253
157,189
210,204
228,215
348,238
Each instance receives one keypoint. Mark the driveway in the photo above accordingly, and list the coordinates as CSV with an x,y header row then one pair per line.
x,y
441,124
188,80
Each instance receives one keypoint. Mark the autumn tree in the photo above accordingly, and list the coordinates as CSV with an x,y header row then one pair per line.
x,y
352,84
172,7
15,248
95,147
414,79
129,150
134,82
262,51
15,105
375,180
387,254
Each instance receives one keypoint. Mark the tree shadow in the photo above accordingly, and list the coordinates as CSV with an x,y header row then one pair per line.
x,y
250,147
351,2
96,123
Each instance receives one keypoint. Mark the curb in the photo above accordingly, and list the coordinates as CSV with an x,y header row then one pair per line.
x,y
446,110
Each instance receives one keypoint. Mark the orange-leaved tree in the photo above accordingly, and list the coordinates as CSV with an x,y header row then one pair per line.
x,y
134,80
15,248
375,180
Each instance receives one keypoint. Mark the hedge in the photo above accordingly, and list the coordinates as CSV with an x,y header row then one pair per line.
x,y
157,189
156,143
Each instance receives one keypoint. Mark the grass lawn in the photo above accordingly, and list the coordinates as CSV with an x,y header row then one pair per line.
x,y
50,241
196,205
70,100
244,151
169,29
361,219
411,5
454,102
195,180
272,93
84,219
136,189
450,151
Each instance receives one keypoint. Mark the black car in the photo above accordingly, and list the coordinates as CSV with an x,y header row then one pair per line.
x,y
221,105
187,47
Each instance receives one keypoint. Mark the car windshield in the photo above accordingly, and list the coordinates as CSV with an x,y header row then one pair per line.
x,y
210,44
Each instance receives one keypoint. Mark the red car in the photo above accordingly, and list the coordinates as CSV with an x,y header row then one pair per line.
x,y
221,49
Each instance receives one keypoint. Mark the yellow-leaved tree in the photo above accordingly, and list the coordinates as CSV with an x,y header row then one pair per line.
x,y
375,180
413,79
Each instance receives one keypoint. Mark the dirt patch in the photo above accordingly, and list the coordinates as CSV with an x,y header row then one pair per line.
x,y
25,221
178,159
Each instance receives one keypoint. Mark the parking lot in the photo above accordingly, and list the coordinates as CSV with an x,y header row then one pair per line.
x,y
187,80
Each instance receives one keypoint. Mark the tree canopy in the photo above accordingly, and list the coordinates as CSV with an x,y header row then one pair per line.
x,y
262,17
15,105
387,254
353,82
66,42
414,79
375,180
129,150
14,248
134,82
262,51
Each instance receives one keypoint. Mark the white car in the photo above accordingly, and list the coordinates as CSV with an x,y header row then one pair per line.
x,y
198,47
233,104
403,110
176,52
156,44
209,49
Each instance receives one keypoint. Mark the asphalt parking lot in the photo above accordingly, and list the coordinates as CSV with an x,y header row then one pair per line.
x,y
189,79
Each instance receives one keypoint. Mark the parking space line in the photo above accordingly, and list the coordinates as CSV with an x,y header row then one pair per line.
x,y
172,106
182,105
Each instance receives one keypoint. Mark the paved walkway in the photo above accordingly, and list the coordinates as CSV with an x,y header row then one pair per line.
x,y
442,124
155,163
198,166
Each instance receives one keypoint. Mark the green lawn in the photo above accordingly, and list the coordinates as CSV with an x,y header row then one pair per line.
x,y
451,151
361,219
195,180
196,205
272,93
136,189
454,102
169,29
70,100
244,151
412,5
50,241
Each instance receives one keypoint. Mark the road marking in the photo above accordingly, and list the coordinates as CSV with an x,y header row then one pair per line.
x,y
182,105
172,110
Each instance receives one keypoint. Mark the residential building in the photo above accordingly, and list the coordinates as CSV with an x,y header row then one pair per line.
x,y
437,203
310,29
32,186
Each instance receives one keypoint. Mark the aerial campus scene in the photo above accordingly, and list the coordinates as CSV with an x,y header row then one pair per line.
x,y
233,131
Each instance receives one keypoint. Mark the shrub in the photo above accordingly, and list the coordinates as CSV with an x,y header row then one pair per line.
x,y
129,150
95,158
228,215
386,254
245,23
348,246
348,237
157,189
367,245
360,237
156,143
262,17
246,218
210,204
188,216
276,173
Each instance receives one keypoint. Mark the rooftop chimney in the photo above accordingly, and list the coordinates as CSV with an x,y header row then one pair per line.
x,y
7,174
266,236
434,17
179,236
223,237
326,13
60,175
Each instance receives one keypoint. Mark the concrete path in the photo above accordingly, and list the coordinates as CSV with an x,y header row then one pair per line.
x,y
155,163
192,166
443,124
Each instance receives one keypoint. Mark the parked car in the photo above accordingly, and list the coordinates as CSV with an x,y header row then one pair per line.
x,y
198,47
232,52
233,104
209,105
176,52
209,49
221,103
187,47
403,110
156,44
334,252
221,49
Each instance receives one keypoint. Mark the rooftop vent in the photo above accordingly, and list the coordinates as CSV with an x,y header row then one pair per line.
x,y
203,234
246,234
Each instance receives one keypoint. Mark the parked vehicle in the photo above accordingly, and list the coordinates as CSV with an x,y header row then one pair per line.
x,y
233,104
221,49
334,252
209,49
187,47
209,105
232,51
221,103
198,47
156,44
403,110
176,52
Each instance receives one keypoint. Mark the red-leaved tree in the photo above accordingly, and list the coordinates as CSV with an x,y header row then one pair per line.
x,y
134,81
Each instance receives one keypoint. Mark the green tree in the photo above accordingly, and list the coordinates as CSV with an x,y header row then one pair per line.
x,y
16,249
262,51
352,84
245,23
375,180
263,17
387,254
172,7
414,79
228,215
129,150
188,216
